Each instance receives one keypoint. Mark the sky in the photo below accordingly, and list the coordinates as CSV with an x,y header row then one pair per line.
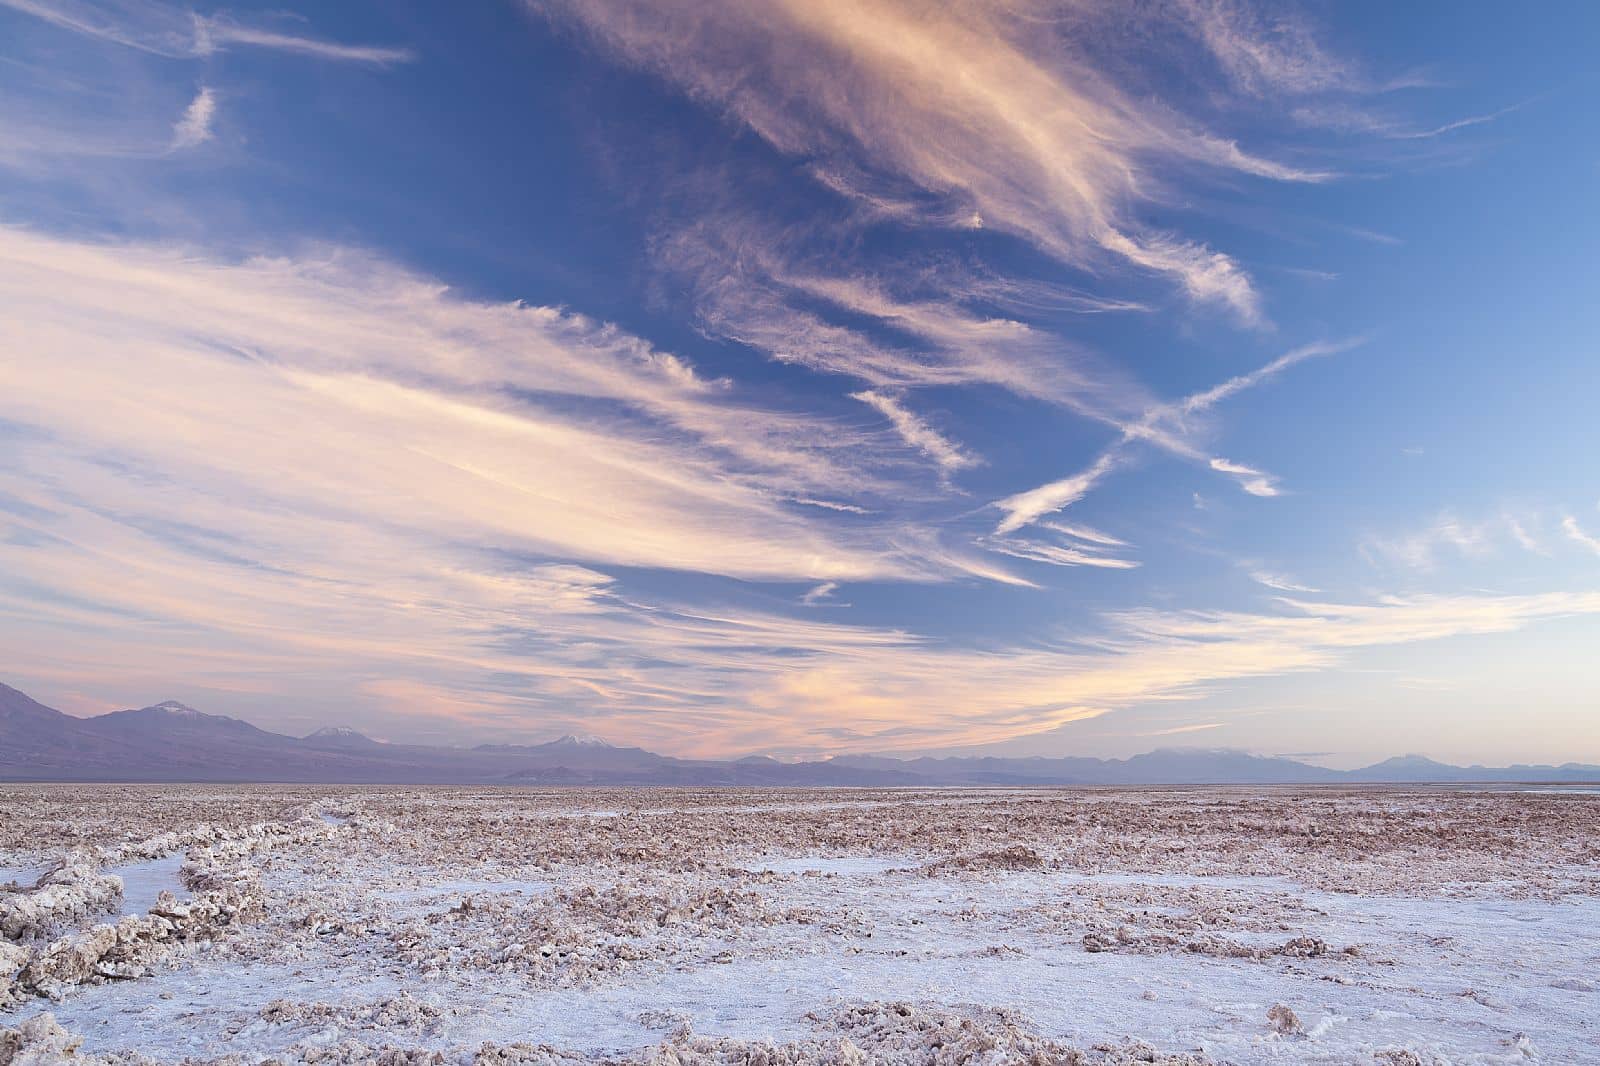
x,y
809,376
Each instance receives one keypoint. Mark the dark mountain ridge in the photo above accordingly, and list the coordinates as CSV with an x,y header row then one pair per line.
x,y
173,742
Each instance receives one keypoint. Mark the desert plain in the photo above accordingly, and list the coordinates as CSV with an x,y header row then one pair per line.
x,y
290,924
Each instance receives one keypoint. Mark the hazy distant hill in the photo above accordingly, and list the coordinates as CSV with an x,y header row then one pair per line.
x,y
172,742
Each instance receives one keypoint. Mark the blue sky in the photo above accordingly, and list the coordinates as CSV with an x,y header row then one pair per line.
x,y
808,377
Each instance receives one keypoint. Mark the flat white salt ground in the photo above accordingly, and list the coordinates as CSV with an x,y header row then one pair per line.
x,y
22,875
841,865
1463,978
143,881
447,889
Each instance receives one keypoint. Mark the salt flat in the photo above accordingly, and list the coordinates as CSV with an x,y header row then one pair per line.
x,y
402,925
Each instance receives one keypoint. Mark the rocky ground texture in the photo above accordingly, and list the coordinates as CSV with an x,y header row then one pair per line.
x,y
446,925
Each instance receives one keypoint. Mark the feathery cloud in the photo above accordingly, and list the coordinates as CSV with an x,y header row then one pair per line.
x,y
1166,426
917,433
1033,137
1279,582
1057,554
194,128
1085,533
318,468
448,414
1577,535
325,464
176,32
819,593
1266,50
1255,482
1027,507
1483,537
213,34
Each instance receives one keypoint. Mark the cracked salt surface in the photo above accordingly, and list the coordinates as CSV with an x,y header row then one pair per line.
x,y
923,957
1458,929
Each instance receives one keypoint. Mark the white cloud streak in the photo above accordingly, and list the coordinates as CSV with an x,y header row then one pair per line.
x,y
1576,534
819,593
519,427
1027,507
1209,398
1451,534
1255,482
177,33
1167,426
319,464
1279,582
981,116
1057,554
948,456
1085,533
214,34
977,104
1266,50
194,127
262,473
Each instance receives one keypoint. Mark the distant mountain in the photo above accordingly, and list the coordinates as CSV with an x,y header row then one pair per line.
x,y
579,753
35,736
583,740
339,738
1420,768
1167,766
173,742
1406,768
172,720
1202,766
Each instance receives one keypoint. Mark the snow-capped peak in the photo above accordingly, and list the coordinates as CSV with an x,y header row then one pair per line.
x,y
585,740
336,731
174,707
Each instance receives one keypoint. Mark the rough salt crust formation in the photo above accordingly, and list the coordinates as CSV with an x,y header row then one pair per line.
x,y
72,889
456,925
873,1034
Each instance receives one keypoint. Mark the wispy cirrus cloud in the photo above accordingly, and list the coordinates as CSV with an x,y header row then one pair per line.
x,y
1138,657
1450,534
1280,582
493,516
83,105
176,32
1170,427
916,432
1058,554
1255,482
194,127
1050,134
1577,534
1034,138
893,326
530,428
1087,534
1208,398
332,467
220,31
1027,507
1198,727
820,593
1350,119
1267,50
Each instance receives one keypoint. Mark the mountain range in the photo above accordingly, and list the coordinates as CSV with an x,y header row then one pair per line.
x,y
172,742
